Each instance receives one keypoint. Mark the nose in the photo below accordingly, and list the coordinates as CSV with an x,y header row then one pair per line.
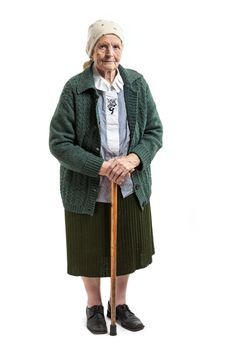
x,y
110,51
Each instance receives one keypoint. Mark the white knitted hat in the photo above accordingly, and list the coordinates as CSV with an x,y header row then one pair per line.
x,y
100,28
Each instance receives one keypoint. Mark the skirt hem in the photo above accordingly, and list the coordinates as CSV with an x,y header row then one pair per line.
x,y
72,273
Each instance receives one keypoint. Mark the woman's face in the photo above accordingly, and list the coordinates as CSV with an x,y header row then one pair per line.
x,y
107,52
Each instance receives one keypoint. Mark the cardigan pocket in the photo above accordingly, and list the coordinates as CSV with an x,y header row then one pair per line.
x,y
73,186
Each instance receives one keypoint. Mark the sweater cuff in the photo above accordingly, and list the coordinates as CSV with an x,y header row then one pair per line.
x,y
144,156
92,165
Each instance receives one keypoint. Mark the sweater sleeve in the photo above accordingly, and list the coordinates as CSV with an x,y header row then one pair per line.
x,y
151,140
62,140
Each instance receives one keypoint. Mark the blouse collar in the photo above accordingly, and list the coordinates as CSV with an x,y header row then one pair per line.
x,y
103,85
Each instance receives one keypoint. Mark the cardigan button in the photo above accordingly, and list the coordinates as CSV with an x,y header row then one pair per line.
x,y
136,187
97,149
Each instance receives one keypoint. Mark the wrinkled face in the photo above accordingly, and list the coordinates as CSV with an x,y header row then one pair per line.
x,y
107,52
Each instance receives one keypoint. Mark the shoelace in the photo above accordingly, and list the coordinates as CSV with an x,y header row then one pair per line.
x,y
97,311
124,308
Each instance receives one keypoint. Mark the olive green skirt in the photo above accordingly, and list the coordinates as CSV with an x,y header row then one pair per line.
x,y
88,239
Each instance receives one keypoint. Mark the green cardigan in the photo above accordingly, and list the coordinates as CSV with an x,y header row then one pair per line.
x,y
75,138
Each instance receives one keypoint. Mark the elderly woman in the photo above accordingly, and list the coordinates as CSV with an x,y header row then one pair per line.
x,y
106,128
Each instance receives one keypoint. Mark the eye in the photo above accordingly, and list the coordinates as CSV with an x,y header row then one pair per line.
x,y
116,47
102,47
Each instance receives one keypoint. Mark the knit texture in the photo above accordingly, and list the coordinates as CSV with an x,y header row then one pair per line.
x,y
75,138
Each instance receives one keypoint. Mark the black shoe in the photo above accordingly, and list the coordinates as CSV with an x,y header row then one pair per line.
x,y
95,319
126,318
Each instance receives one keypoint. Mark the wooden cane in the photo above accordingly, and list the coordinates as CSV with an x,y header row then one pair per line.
x,y
113,256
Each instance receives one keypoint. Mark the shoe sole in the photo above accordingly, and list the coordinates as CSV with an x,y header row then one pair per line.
x,y
96,332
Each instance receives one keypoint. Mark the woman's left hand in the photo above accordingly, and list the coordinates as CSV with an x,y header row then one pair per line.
x,y
122,167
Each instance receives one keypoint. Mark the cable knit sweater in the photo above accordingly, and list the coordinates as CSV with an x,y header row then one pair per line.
x,y
75,138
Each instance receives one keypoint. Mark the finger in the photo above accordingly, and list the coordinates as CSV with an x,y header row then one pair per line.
x,y
111,167
116,170
125,164
121,178
116,174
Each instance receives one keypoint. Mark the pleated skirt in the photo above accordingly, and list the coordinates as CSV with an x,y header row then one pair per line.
x,y
88,239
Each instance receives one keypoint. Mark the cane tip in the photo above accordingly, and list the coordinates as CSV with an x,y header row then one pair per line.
x,y
113,329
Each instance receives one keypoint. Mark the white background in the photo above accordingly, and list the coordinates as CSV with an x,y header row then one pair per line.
x,y
184,50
